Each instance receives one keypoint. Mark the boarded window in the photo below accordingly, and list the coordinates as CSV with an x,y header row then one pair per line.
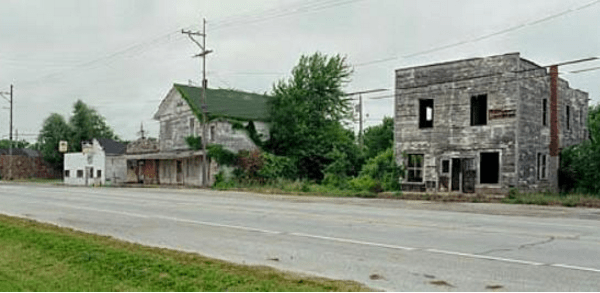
x,y
426,113
445,166
67,173
545,112
415,168
568,117
479,110
99,173
541,166
489,168
79,173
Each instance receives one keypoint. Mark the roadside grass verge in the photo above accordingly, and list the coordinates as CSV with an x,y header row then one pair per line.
x,y
297,187
37,180
42,257
548,198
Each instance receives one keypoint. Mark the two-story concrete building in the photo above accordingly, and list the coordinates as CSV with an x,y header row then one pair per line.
x,y
485,124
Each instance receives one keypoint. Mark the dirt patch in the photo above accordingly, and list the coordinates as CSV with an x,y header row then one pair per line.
x,y
493,287
376,277
441,283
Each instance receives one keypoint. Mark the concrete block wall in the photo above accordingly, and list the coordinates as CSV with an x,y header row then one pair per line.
x,y
451,85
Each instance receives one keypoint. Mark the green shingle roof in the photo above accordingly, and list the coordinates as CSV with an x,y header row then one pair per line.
x,y
226,103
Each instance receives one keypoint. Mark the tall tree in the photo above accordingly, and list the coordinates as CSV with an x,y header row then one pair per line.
x,y
54,130
379,138
86,124
307,110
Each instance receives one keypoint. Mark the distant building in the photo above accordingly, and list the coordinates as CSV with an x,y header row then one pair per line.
x,y
100,162
25,163
485,124
175,162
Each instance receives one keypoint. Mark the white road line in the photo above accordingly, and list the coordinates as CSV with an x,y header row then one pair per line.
x,y
575,268
344,240
484,257
352,241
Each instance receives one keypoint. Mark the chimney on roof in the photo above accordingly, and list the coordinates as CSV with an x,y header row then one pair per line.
x,y
554,125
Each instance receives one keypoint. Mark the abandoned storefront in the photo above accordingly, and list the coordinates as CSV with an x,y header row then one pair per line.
x,y
484,125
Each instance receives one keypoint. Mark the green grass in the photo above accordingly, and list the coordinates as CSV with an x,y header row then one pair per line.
x,y
42,257
297,187
39,180
548,198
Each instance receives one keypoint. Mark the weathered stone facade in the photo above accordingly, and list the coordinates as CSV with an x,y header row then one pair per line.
x,y
478,125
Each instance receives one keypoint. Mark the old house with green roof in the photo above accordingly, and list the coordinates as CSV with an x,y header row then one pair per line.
x,y
228,112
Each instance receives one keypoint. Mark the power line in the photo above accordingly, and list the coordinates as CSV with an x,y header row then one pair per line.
x,y
482,37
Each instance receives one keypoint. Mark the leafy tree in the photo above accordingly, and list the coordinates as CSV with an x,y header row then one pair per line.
x,y
86,124
54,129
379,138
16,144
580,164
306,112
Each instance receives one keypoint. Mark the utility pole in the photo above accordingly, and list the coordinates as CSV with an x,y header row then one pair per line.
x,y
360,110
203,53
10,131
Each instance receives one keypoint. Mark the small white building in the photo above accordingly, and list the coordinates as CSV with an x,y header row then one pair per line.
x,y
100,161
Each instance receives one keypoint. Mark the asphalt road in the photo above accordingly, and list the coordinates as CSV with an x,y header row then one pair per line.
x,y
387,244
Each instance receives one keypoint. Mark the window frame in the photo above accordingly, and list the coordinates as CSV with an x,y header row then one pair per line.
x,y
79,173
542,168
410,168
98,173
67,173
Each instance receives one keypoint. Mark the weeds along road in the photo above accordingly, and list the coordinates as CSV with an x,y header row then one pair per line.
x,y
387,244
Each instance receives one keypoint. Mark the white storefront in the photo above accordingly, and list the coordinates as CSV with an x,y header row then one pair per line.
x,y
87,167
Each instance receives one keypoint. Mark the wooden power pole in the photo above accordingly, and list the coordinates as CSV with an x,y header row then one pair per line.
x,y
203,53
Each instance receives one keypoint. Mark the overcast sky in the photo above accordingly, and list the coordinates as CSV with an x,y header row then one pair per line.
x,y
122,57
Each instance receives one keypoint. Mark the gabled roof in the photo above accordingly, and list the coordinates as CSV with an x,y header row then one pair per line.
x,y
112,147
226,103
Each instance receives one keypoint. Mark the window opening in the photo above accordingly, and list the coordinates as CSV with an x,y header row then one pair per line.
x,y
568,118
426,113
479,110
67,173
489,168
541,166
79,173
415,168
192,126
545,112
92,172
99,173
445,166
212,132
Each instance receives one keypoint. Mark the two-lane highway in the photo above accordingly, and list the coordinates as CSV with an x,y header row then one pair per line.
x,y
386,244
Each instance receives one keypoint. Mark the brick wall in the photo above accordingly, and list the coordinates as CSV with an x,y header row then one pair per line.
x,y
26,167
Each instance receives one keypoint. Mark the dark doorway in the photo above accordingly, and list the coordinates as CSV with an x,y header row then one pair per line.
x,y
455,175
469,173
489,168
179,172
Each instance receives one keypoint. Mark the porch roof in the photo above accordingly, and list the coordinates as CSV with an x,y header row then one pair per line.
x,y
164,155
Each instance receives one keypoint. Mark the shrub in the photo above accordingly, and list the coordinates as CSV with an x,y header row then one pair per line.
x,y
365,183
384,169
277,167
221,155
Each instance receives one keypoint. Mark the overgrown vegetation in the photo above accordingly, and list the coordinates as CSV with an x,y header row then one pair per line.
x,y
41,257
580,164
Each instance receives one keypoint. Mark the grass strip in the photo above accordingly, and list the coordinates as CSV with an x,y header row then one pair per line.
x,y
42,257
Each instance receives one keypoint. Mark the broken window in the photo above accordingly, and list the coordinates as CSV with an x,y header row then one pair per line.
x,y
415,168
479,110
445,166
568,118
426,113
79,173
541,166
545,112
489,168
